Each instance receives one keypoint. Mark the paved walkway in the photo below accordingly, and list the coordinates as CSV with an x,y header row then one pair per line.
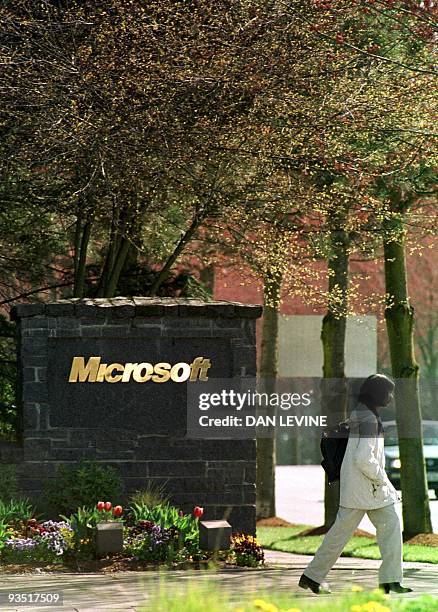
x,y
133,590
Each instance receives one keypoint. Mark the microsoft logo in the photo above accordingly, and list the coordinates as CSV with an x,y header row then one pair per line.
x,y
95,371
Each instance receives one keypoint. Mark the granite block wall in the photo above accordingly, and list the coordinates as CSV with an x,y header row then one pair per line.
x,y
138,429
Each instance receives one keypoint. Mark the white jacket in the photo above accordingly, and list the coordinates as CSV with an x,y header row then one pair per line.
x,y
364,483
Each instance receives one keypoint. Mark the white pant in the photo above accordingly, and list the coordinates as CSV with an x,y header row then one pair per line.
x,y
389,538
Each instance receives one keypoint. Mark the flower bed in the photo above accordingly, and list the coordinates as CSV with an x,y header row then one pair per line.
x,y
152,535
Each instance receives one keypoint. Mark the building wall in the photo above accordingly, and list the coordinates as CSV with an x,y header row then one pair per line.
x,y
300,347
300,356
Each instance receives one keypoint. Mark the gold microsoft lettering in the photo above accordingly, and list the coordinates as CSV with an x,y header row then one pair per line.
x,y
95,371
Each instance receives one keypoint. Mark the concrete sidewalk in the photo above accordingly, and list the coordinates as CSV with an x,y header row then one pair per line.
x,y
133,590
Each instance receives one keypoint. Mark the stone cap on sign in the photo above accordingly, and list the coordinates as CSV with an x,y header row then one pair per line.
x,y
218,524
123,307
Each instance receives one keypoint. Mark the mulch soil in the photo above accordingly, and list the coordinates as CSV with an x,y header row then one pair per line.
x,y
426,539
100,566
274,521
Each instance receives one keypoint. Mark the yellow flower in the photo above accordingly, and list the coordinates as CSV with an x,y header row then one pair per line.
x,y
239,609
374,606
264,605
356,608
356,588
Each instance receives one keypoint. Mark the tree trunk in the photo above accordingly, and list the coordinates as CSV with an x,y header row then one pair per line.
x,y
266,447
77,248
117,267
82,239
399,316
102,288
113,244
185,239
334,385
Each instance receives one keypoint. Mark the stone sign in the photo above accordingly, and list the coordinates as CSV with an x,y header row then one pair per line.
x,y
106,380
150,406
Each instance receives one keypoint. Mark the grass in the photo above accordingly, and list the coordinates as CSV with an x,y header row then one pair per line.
x,y
196,598
287,539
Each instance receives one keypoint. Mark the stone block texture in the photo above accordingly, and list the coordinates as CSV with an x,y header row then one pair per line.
x,y
214,535
139,429
109,538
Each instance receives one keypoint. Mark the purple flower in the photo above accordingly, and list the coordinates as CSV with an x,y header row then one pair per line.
x,y
53,537
56,526
21,543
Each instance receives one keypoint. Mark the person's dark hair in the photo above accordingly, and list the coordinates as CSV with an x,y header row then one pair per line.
x,y
375,389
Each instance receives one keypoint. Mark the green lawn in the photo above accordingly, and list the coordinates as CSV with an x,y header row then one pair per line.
x,y
287,539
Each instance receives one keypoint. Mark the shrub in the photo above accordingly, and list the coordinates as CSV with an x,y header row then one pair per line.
x,y
150,543
83,523
24,550
8,482
15,511
77,486
44,542
8,381
167,517
56,535
162,534
4,534
247,552
153,495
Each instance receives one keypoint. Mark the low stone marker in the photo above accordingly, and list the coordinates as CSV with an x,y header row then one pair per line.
x,y
214,535
109,538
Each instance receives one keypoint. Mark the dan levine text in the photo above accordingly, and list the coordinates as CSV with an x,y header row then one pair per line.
x,y
281,420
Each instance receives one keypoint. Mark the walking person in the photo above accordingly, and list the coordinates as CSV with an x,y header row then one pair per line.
x,y
364,489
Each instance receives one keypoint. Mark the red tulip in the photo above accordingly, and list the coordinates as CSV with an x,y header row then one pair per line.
x,y
108,506
117,510
198,512
100,506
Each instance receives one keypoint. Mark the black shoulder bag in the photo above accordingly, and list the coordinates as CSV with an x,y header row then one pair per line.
x,y
333,444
